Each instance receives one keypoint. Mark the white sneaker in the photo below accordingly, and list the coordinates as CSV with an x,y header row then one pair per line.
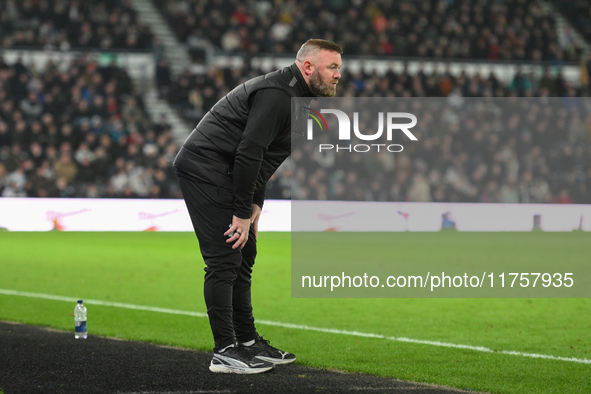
x,y
238,360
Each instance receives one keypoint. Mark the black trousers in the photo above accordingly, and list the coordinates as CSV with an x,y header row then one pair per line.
x,y
228,271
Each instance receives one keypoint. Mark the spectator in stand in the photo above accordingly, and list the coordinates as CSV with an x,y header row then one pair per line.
x,y
163,77
562,198
65,168
15,183
3,178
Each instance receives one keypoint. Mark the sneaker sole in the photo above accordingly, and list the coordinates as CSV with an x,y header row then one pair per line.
x,y
276,360
237,370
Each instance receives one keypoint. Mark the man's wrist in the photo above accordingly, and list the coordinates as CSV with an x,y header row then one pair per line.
x,y
242,215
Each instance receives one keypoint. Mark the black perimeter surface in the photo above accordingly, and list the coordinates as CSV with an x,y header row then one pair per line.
x,y
39,360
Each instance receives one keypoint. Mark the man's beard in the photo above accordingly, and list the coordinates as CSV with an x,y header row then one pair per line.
x,y
318,88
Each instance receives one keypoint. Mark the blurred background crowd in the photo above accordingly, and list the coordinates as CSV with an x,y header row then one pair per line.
x,y
65,24
459,29
510,150
80,132
82,129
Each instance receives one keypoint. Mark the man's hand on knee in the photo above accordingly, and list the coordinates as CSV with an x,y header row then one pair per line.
x,y
238,232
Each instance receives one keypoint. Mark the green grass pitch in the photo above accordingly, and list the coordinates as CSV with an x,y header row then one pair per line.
x,y
165,270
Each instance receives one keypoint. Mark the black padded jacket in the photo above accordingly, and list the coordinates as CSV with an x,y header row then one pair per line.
x,y
245,136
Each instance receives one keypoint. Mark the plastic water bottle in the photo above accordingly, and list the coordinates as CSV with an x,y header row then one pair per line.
x,y
80,320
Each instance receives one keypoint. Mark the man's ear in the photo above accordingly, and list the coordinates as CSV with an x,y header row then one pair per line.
x,y
308,68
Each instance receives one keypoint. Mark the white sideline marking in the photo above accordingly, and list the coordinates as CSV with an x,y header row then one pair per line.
x,y
104,303
297,326
180,392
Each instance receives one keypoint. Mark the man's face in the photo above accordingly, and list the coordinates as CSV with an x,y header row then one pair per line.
x,y
323,82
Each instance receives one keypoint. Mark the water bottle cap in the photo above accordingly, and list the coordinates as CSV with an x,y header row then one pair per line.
x,y
80,301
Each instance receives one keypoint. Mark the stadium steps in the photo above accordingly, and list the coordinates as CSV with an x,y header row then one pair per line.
x,y
176,52
179,60
157,106
565,29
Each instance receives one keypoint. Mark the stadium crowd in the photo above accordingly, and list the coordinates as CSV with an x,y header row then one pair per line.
x,y
83,133
549,166
508,150
80,132
512,30
66,24
193,94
